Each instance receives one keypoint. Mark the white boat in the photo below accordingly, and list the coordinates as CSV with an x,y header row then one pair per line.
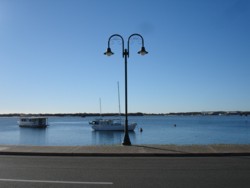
x,y
100,124
34,122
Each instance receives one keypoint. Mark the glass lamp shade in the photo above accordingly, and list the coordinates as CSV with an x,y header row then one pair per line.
x,y
108,52
143,51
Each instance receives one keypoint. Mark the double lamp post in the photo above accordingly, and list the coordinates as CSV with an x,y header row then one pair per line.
x,y
125,55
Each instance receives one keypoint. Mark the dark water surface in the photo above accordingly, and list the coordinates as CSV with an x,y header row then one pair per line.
x,y
72,131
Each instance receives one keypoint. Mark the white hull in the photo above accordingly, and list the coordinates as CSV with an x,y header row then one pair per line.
x,y
114,127
110,125
33,126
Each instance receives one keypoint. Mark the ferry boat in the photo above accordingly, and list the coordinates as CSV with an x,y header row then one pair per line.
x,y
33,122
110,125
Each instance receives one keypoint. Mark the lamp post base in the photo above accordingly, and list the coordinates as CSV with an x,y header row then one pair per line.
x,y
126,140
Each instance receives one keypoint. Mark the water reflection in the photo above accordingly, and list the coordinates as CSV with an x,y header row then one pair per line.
x,y
32,136
109,137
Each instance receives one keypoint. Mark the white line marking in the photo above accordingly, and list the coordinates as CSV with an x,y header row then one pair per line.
x,y
58,182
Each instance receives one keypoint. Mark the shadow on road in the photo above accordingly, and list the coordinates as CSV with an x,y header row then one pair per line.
x,y
168,150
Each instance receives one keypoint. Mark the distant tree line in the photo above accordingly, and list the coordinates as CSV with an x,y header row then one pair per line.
x,y
213,113
69,114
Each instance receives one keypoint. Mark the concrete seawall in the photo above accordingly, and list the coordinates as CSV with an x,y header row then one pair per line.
x,y
135,150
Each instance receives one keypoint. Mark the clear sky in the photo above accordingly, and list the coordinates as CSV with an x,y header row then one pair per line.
x,y
51,55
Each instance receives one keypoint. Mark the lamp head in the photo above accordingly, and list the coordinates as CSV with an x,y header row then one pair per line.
x,y
143,51
108,52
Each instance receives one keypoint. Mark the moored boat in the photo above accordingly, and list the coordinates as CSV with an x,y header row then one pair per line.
x,y
33,122
101,124
110,125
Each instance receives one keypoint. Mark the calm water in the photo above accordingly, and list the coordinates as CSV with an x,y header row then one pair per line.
x,y
71,131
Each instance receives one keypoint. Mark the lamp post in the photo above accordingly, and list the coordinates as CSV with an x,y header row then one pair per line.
x,y
125,55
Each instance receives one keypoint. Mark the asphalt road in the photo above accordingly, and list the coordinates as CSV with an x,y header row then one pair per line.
x,y
156,172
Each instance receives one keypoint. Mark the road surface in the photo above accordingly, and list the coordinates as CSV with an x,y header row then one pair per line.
x,y
156,172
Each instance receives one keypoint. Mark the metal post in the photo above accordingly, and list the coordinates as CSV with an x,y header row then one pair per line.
x,y
126,140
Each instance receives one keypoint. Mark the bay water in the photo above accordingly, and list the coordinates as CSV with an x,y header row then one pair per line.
x,y
178,130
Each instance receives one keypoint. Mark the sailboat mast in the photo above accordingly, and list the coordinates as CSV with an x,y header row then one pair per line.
x,y
100,103
119,98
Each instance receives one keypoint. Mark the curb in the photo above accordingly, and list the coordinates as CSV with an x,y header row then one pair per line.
x,y
124,154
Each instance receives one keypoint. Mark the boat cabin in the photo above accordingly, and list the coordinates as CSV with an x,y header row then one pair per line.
x,y
38,122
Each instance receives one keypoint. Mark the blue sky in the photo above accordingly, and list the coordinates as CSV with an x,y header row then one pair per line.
x,y
51,55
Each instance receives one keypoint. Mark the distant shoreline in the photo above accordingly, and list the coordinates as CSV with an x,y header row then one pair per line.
x,y
205,113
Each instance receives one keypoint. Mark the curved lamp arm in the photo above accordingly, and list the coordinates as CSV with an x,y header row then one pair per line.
x,y
109,52
143,50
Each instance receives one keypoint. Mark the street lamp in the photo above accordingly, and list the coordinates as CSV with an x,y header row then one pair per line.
x,y
125,54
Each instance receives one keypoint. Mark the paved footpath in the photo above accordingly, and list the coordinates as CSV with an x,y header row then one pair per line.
x,y
134,150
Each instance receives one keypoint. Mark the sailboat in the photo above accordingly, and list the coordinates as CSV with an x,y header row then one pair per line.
x,y
101,124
